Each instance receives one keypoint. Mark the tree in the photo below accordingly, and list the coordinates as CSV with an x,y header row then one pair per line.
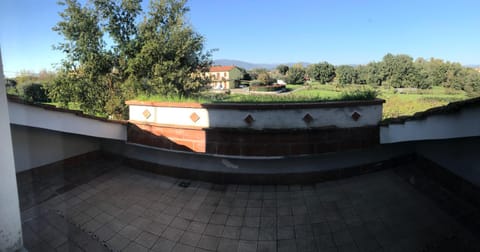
x,y
454,76
375,75
323,72
35,92
437,72
171,57
346,74
161,54
296,74
264,78
282,69
472,80
11,86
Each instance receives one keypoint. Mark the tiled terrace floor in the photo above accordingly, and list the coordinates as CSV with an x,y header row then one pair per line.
x,y
108,206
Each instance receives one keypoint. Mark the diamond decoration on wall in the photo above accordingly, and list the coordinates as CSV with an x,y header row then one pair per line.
x,y
355,116
249,119
307,118
194,117
146,114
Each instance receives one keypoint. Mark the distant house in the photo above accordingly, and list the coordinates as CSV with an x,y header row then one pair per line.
x,y
224,77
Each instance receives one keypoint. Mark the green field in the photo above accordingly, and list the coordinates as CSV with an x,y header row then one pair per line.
x,y
408,104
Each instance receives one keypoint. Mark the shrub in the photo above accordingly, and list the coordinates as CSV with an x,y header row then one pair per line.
x,y
359,94
35,93
255,83
269,88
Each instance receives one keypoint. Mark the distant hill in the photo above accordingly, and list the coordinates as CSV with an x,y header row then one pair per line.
x,y
473,66
250,66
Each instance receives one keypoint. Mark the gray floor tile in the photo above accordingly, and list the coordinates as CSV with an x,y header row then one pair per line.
x,y
104,233
267,246
130,232
342,237
146,239
208,242
285,233
135,247
180,223
286,246
251,221
235,221
197,227
118,242
214,230
267,234
165,219
115,225
219,219
68,247
141,222
92,225
163,245
228,245
190,238
307,245
183,248
366,213
247,246
231,232
172,234
249,234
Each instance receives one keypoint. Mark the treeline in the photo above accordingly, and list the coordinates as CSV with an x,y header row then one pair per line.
x,y
397,71
31,86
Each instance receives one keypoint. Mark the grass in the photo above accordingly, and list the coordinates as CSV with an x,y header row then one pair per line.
x,y
160,98
296,97
408,104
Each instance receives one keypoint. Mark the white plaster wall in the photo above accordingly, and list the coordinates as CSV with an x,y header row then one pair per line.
x,y
35,147
10,225
38,117
270,119
465,123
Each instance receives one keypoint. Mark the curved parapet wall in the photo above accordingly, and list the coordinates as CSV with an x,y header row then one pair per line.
x,y
256,129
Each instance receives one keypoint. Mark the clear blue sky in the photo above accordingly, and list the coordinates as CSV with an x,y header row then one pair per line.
x,y
279,31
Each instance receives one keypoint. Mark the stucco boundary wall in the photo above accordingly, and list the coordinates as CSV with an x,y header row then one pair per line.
x,y
240,129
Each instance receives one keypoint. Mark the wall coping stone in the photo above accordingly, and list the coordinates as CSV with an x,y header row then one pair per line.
x,y
258,106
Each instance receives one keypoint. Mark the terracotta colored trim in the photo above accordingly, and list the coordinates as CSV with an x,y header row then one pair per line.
x,y
442,110
258,106
16,99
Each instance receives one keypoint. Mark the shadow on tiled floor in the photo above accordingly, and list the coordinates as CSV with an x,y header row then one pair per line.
x,y
103,205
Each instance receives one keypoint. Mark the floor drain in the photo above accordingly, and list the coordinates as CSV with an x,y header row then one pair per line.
x,y
184,184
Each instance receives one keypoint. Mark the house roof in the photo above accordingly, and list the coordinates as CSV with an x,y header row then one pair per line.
x,y
221,68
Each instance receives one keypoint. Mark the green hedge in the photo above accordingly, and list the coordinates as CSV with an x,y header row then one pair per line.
x,y
269,88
